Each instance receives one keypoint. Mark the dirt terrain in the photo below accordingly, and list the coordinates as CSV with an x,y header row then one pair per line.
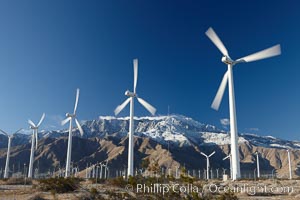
x,y
243,189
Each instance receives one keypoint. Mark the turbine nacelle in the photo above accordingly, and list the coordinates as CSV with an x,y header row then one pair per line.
x,y
130,94
70,115
33,127
227,60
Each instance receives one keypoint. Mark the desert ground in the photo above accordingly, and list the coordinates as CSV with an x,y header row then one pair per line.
x,y
134,188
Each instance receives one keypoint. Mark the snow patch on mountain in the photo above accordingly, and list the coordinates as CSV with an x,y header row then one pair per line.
x,y
219,138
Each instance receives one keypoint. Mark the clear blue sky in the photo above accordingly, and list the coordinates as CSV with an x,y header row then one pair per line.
x,y
49,48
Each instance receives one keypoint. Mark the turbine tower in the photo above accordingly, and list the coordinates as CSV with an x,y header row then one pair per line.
x,y
34,138
257,164
70,118
290,164
207,163
131,96
6,170
228,77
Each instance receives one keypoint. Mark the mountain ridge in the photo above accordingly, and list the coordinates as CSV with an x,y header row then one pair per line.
x,y
170,141
174,128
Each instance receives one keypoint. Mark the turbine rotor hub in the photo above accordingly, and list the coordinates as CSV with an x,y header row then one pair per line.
x,y
227,60
70,115
130,94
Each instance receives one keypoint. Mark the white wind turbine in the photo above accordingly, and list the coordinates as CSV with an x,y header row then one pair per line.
x,y
6,170
229,157
131,96
34,138
70,118
257,164
228,77
207,163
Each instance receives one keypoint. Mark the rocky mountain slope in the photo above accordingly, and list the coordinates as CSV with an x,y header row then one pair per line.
x,y
170,141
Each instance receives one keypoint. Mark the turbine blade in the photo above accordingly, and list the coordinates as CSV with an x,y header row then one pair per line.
x,y
150,108
65,121
17,131
203,154
122,106
79,127
41,120
135,70
226,157
4,132
76,101
212,154
31,123
267,53
216,40
218,98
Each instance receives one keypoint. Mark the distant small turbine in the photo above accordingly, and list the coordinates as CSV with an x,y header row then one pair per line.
x,y
230,160
34,138
70,118
228,77
257,164
207,163
131,96
6,170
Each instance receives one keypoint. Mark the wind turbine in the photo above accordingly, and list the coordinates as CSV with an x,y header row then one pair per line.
x,y
207,163
257,164
131,96
101,164
70,118
229,157
6,170
228,77
34,139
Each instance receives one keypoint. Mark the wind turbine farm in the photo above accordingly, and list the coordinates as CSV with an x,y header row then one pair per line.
x,y
132,149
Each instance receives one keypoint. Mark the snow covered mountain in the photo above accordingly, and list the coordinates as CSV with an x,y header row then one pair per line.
x,y
166,140
176,129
